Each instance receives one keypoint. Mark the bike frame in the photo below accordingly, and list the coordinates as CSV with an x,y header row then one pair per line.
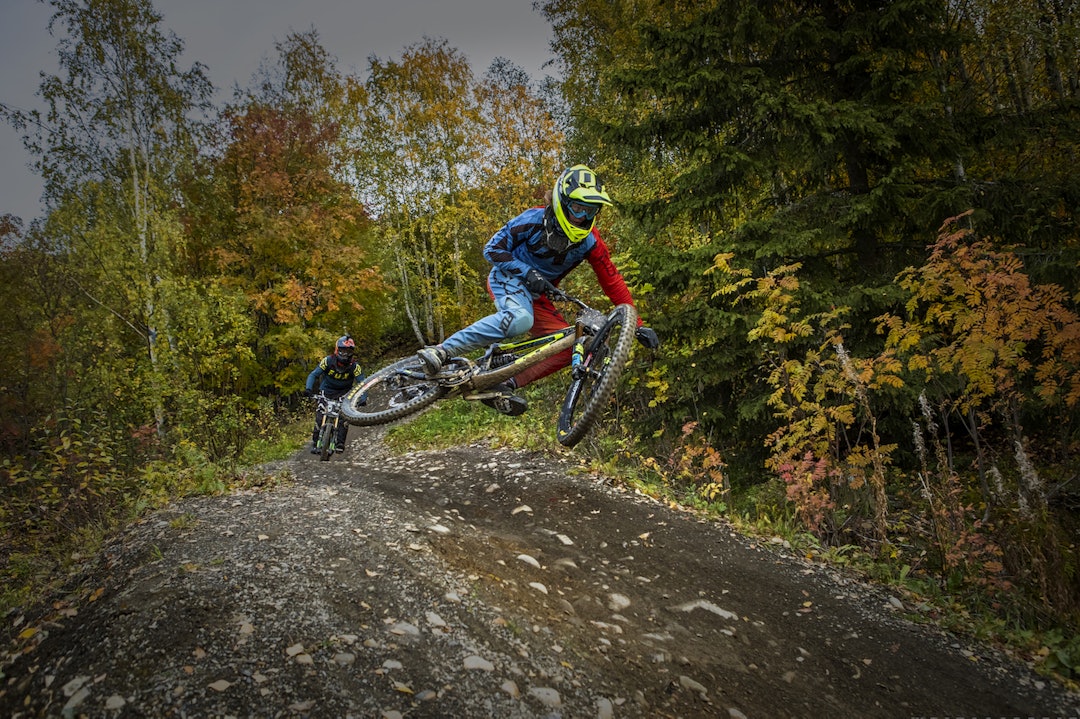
x,y
404,387
476,376
468,379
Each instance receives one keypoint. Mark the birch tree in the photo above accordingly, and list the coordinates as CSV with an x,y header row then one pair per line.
x,y
443,159
117,135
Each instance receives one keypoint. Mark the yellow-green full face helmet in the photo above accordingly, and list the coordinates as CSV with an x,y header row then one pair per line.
x,y
577,198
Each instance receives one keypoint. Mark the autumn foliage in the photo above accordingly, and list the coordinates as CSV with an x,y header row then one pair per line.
x,y
985,365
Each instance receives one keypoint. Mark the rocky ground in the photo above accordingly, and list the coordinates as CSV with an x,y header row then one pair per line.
x,y
480,583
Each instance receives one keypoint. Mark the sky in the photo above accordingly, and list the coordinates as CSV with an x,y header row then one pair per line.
x,y
231,37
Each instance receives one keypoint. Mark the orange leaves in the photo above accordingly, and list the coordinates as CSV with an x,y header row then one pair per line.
x,y
296,301
284,226
696,462
45,350
974,313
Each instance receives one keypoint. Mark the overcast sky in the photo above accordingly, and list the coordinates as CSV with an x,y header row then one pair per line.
x,y
231,37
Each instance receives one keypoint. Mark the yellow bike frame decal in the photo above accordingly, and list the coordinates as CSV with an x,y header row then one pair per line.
x,y
535,341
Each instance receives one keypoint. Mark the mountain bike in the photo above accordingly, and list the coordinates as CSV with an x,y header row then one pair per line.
x,y
328,429
600,348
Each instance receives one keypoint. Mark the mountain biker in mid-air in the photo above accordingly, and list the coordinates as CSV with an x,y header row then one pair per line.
x,y
334,377
530,255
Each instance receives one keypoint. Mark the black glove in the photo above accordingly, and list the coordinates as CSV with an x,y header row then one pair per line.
x,y
536,283
647,337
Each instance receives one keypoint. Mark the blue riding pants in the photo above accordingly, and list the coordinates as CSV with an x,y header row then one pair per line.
x,y
513,315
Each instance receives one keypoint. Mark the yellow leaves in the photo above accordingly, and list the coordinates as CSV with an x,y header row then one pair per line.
x,y
722,265
988,318
918,362
296,300
656,380
891,381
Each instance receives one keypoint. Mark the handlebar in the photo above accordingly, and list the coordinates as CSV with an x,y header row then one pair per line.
x,y
556,294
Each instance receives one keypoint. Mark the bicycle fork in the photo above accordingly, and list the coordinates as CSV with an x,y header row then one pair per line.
x,y
578,366
578,353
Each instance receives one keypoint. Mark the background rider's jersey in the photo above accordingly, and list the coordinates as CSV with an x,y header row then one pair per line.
x,y
334,375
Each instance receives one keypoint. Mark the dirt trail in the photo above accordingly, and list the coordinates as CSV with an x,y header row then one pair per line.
x,y
480,583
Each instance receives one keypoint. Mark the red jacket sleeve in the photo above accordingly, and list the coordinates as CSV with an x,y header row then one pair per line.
x,y
607,274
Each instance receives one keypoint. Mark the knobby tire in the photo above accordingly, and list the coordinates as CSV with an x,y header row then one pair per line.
x,y
324,440
390,395
607,355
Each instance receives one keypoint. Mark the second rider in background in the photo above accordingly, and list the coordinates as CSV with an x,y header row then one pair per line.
x,y
529,256
334,377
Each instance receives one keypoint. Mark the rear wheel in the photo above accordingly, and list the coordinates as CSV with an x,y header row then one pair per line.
x,y
604,361
393,392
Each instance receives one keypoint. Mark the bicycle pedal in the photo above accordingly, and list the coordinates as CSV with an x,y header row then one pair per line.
x,y
511,405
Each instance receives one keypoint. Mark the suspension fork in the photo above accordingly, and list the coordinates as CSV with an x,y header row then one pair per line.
x,y
577,356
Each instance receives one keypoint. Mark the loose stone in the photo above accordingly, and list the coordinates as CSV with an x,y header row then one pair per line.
x,y
546,696
688,683
529,560
475,662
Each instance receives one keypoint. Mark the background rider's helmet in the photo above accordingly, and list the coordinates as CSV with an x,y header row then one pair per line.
x,y
344,348
576,200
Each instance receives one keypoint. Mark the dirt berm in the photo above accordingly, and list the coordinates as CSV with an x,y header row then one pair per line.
x,y
475,582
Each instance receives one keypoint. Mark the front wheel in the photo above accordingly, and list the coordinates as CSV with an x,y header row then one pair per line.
x,y
595,380
325,435
393,392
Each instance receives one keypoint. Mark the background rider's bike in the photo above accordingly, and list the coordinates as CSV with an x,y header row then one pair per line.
x,y
601,347
330,410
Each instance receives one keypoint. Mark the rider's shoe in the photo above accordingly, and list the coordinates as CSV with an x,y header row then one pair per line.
x,y
433,358
314,448
505,401
339,448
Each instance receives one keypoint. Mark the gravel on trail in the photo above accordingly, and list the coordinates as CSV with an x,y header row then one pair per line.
x,y
480,582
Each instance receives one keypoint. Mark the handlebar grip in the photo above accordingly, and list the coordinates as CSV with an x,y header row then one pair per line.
x,y
556,294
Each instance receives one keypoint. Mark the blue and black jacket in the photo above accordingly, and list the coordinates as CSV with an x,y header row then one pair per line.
x,y
333,375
